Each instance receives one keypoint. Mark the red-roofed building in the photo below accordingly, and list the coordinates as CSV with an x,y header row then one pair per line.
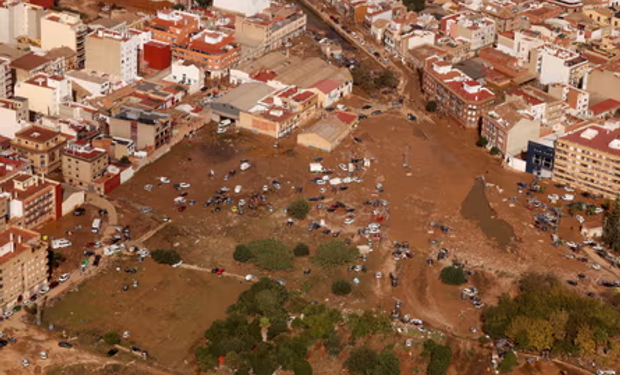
x,y
328,91
82,164
455,93
217,52
587,159
173,26
24,265
604,109
41,146
34,200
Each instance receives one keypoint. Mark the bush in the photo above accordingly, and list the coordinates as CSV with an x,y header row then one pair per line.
x,y
334,253
271,254
508,363
302,367
369,323
301,250
364,361
441,356
495,150
431,106
242,254
299,209
482,142
166,256
112,338
453,276
341,287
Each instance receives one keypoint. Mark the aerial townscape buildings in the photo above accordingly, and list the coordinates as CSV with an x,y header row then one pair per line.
x,y
88,101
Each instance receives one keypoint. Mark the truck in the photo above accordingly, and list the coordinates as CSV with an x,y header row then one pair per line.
x,y
96,225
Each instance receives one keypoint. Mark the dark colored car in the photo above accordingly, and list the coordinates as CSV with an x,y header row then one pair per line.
x,y
367,106
54,284
79,211
377,112
64,344
329,109
362,116
97,260
411,117
112,352
571,282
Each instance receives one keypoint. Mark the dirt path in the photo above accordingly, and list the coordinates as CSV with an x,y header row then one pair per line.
x,y
202,269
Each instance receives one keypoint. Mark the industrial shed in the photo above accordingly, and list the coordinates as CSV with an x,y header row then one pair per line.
x,y
240,99
327,134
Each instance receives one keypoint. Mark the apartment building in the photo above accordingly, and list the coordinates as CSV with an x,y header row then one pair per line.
x,y
82,164
34,200
24,265
605,80
509,127
41,146
475,28
456,50
215,51
116,147
113,53
186,73
455,93
242,7
148,130
578,101
540,13
589,159
20,20
13,116
45,93
555,64
173,27
281,112
544,107
6,78
507,15
28,65
64,29
269,29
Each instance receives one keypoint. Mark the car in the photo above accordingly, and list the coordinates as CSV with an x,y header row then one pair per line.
x,y
411,117
43,355
362,116
164,180
184,185
568,197
580,219
598,210
148,187
553,197
367,106
596,266
8,314
60,243
377,112
112,352
165,219
349,220
64,277
569,189
378,275
220,130
44,289
79,211
97,260
146,210
237,189
25,362
64,344
54,284
571,282
330,109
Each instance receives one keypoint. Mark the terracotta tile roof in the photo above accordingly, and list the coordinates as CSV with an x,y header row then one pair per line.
x,y
36,133
346,117
29,62
604,107
325,86
595,137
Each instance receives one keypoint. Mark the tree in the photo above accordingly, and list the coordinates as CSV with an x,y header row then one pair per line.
x,y
431,106
299,209
112,338
334,253
204,3
271,254
166,256
178,7
242,254
302,367
206,361
361,361
234,361
585,341
369,323
482,142
611,228
301,250
415,5
341,287
362,77
441,356
386,78
495,151
508,363
452,275
57,258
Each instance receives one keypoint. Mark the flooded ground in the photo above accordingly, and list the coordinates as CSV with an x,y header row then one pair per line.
x,y
476,207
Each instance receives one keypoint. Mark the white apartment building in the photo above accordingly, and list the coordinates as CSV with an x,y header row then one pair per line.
x,y
555,64
478,30
113,53
64,30
6,78
18,18
525,41
13,116
186,73
578,101
245,7
45,93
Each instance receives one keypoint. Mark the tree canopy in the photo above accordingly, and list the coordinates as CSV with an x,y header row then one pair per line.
x,y
298,209
611,228
269,254
365,361
334,253
166,256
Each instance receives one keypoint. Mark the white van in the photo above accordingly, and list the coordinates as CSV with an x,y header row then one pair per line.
x,y
96,225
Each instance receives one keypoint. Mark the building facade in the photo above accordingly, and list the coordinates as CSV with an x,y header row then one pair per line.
x,y
147,129
20,19
45,93
24,265
509,127
6,79
215,51
13,116
41,146
113,53
64,30
34,200
82,164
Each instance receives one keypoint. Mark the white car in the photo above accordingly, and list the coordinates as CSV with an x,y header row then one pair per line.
x,y
64,277
321,182
27,302
43,355
343,167
598,210
25,362
568,197
569,189
596,267
244,166
580,219
554,197
8,314
44,290
349,220
221,130
362,42
378,275
60,243
184,185
164,180
238,189
148,187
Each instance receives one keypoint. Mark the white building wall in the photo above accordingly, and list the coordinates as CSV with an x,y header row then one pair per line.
x,y
10,123
245,7
187,75
74,200
553,70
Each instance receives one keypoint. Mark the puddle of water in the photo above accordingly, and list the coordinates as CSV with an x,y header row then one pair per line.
x,y
476,207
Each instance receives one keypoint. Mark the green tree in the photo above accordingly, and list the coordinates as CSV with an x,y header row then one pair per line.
x,y
166,256
332,344
204,3
585,341
369,323
495,150
299,209
206,361
302,367
386,78
415,5
341,287
112,338
234,361
431,106
441,356
361,361
452,275
611,228
242,254
508,363
178,7
482,142
334,253
301,250
362,77
271,254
